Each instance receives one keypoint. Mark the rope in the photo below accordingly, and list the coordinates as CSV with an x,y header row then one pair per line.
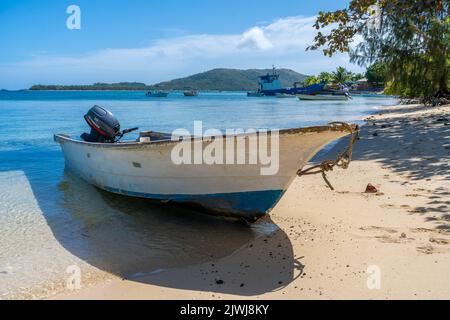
x,y
342,161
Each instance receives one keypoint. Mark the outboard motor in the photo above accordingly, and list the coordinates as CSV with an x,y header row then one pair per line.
x,y
105,128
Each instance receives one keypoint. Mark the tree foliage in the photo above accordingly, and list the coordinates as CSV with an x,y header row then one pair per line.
x,y
341,76
356,76
326,77
410,37
312,80
377,73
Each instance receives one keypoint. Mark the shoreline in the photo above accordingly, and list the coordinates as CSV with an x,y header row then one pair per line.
x,y
327,241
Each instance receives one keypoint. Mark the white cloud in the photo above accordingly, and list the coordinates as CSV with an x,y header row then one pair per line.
x,y
281,42
255,39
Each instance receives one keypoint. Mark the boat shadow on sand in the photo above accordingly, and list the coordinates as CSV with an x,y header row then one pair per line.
x,y
171,246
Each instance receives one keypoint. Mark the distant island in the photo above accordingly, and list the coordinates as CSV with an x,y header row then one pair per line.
x,y
229,80
95,86
217,79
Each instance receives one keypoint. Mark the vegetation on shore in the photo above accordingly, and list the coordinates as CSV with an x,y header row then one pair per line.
x,y
374,79
340,76
95,86
409,39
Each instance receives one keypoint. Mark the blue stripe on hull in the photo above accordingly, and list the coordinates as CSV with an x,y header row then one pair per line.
x,y
250,204
302,90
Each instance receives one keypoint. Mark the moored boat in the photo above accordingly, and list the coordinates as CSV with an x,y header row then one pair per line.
x,y
157,94
190,93
270,85
145,168
327,97
255,94
285,95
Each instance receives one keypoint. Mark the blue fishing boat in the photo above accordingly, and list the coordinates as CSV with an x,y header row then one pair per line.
x,y
255,94
270,85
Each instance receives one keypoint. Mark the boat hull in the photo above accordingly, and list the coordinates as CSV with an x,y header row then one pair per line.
x,y
146,170
311,89
284,95
158,95
320,97
255,94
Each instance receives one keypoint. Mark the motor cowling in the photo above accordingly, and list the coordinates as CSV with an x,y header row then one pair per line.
x,y
105,128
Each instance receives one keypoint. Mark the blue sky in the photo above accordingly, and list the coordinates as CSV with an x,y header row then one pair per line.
x,y
152,41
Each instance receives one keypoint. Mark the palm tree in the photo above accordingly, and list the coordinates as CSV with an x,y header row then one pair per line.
x,y
326,77
341,76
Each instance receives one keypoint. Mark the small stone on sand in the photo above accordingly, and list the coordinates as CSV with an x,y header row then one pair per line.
x,y
371,189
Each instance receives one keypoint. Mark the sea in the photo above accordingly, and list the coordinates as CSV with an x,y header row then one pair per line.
x,y
59,234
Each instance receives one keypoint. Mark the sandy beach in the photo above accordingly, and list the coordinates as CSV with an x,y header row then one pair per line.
x,y
331,244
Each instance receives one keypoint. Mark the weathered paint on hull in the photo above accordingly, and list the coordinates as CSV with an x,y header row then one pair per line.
x,y
249,205
146,170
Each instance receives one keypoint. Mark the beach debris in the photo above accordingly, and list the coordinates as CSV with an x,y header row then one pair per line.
x,y
439,241
371,188
428,249
403,235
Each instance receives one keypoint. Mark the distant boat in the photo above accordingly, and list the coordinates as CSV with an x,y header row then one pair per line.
x,y
157,94
270,85
324,97
190,93
255,94
285,95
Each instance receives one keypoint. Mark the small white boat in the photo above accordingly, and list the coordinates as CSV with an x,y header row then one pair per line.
x,y
255,94
145,170
157,94
327,97
241,185
285,95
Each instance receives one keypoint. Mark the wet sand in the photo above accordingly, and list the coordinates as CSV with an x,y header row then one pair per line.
x,y
329,243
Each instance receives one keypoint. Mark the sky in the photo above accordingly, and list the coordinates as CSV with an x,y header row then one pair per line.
x,y
152,41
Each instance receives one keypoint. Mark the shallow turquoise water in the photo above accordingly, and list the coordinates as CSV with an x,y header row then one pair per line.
x,y
50,219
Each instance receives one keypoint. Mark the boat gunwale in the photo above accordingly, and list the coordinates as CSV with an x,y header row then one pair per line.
x,y
132,144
